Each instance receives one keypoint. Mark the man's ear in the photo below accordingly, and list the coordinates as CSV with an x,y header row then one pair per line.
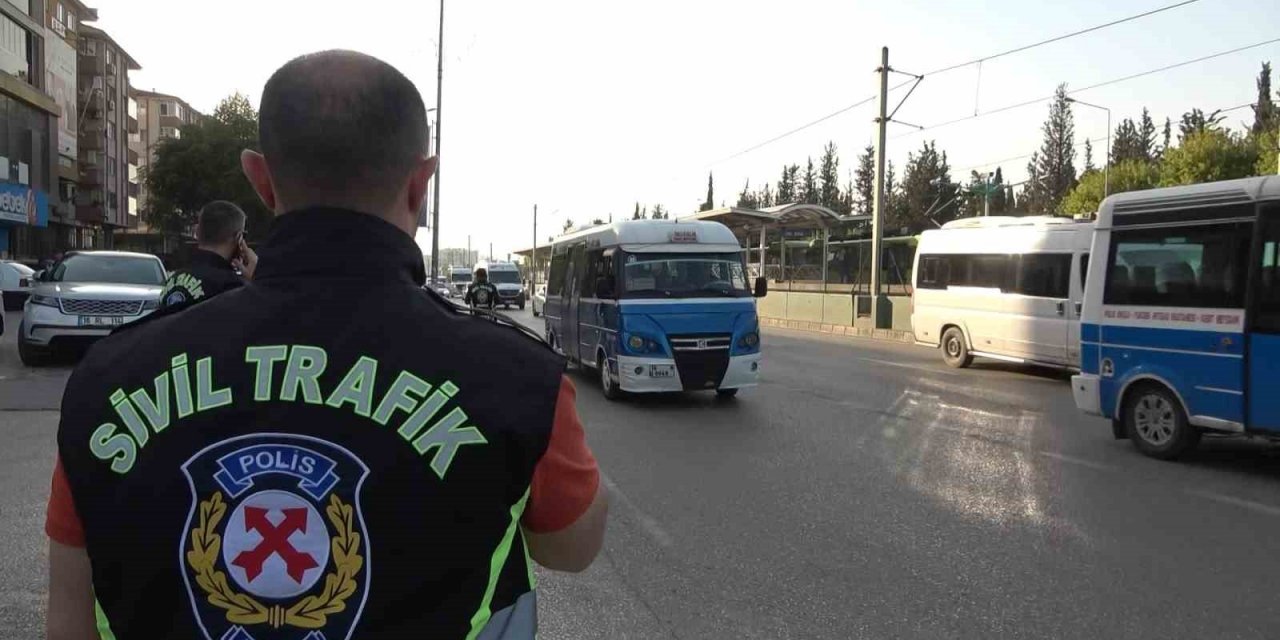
x,y
255,169
418,181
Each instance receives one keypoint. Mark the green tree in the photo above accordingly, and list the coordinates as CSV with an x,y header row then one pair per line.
x,y
746,198
1196,121
1266,116
1088,156
1166,136
864,182
204,165
1147,136
788,188
636,214
709,204
1055,171
927,192
999,199
595,222
659,213
1266,145
809,187
568,224
829,178
1207,156
764,197
1130,175
1127,143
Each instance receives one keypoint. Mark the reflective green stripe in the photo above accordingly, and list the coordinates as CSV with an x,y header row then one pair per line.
x,y
528,562
104,625
499,559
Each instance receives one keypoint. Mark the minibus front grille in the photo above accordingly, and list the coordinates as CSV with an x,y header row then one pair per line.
x,y
701,359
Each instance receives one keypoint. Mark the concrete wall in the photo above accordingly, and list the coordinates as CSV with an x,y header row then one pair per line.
x,y
815,308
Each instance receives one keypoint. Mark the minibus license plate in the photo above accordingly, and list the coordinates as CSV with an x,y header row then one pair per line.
x,y
662,370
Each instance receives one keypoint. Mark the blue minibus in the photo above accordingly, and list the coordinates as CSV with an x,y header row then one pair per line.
x,y
654,306
1180,329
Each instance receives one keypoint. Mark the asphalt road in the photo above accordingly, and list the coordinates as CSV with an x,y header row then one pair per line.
x,y
863,491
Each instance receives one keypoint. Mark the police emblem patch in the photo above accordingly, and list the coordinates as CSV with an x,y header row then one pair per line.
x,y
275,546
482,296
175,297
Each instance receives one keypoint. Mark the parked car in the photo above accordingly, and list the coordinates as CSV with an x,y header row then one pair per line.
x,y
15,283
441,287
84,296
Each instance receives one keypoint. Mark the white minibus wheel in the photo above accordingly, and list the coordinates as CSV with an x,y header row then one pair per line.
x,y
955,351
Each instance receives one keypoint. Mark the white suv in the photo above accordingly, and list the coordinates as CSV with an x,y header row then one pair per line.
x,y
84,296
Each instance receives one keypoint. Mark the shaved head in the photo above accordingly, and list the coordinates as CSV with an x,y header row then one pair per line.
x,y
340,128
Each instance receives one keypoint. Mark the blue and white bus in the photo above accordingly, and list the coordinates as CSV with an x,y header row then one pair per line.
x,y
655,305
1180,331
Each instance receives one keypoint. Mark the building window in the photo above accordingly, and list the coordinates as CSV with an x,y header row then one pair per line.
x,y
177,110
88,47
170,132
71,21
111,132
15,49
135,138
164,108
111,58
25,5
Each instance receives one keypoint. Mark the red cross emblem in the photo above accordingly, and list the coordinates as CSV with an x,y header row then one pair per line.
x,y
275,540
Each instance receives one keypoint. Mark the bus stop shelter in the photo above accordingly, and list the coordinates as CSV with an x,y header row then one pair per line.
x,y
748,224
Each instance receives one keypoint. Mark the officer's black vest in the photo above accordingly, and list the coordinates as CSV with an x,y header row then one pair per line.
x,y
327,452
206,275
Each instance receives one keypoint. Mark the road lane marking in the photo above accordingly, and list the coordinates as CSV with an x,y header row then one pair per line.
x,y
1077,461
1238,502
903,365
649,525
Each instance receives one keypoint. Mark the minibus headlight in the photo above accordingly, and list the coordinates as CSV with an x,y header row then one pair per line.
x,y
636,343
749,340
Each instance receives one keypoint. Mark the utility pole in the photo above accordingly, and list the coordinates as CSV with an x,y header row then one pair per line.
x,y
490,251
877,218
435,209
533,261
986,195
470,260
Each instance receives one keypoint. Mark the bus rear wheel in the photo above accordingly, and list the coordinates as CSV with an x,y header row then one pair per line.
x,y
955,351
1156,423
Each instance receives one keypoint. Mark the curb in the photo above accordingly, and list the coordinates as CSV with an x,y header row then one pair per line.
x,y
840,330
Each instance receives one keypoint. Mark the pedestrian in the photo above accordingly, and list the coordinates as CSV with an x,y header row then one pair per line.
x,y
481,293
319,453
221,261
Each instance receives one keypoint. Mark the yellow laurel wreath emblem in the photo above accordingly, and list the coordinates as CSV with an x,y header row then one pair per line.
x,y
309,613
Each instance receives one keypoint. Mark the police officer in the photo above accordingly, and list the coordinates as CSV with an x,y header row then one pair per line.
x,y
481,293
220,252
332,464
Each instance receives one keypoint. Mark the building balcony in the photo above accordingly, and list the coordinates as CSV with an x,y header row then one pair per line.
x,y
91,142
90,178
132,124
133,189
91,213
133,156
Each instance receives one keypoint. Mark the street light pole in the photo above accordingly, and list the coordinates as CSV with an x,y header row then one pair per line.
x,y
878,195
435,208
1106,164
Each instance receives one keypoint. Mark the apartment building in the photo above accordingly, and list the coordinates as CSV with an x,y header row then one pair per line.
x,y
160,116
29,129
107,196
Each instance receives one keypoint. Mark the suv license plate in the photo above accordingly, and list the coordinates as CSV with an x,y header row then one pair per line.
x,y
101,321
662,370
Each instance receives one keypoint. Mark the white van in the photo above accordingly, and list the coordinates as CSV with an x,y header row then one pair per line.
x,y
1002,287
505,276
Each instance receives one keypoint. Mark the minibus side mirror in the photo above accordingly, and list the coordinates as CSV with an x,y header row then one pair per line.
x,y
604,288
762,287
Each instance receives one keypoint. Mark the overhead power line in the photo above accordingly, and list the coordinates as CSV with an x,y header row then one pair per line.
x,y
1088,88
953,67
1062,37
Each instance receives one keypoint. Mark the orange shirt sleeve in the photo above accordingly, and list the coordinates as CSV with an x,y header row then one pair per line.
x,y
62,524
566,478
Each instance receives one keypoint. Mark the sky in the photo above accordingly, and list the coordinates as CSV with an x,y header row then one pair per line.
x,y
585,108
